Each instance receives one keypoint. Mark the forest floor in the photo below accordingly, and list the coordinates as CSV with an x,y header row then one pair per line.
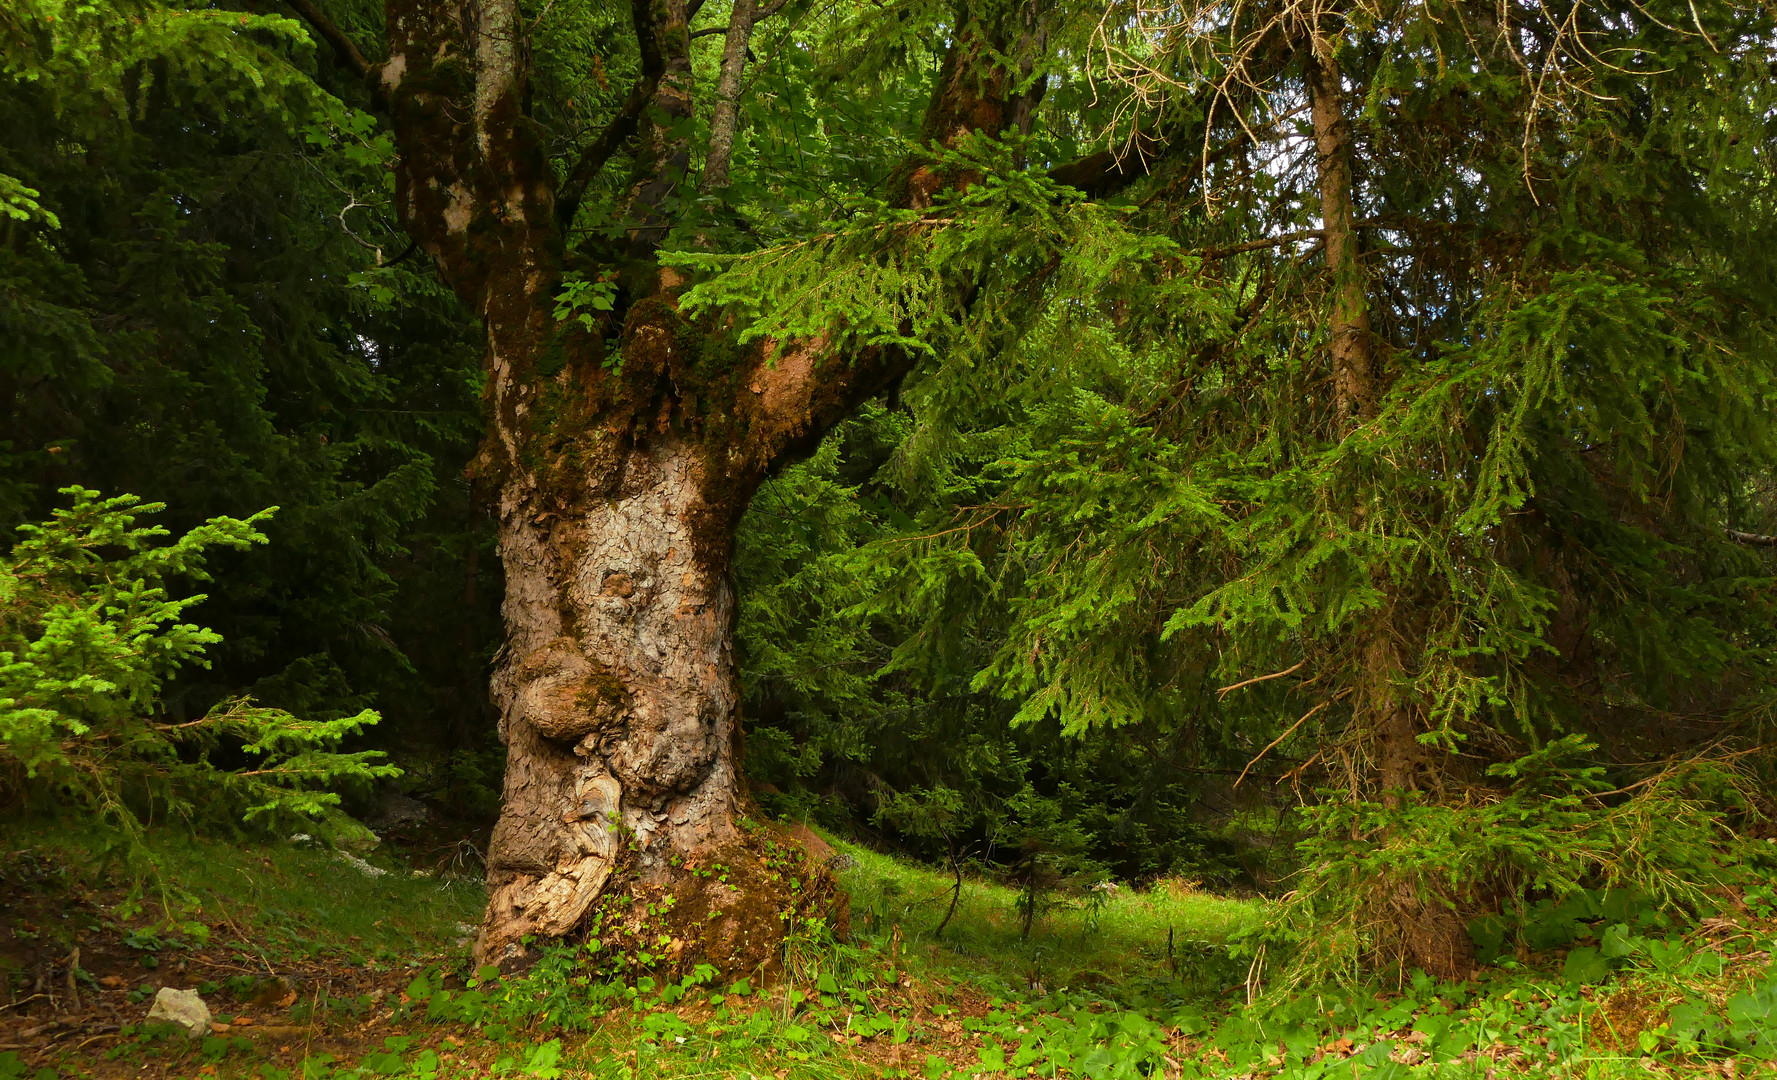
x,y
318,968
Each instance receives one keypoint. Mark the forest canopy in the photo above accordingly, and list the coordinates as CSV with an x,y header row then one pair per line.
x,y
1324,450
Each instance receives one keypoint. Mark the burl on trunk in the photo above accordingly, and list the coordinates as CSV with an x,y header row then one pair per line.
x,y
623,458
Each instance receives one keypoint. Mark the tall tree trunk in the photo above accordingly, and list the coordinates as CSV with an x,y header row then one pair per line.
x,y
1357,383
623,459
617,692
1431,935
1355,371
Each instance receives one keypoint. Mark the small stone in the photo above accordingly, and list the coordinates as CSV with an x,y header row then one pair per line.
x,y
360,865
842,862
182,1007
270,991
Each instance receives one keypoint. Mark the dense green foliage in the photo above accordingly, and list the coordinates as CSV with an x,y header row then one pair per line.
x,y
88,641
1122,488
196,316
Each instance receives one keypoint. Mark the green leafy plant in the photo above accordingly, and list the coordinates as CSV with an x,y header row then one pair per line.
x,y
579,297
89,636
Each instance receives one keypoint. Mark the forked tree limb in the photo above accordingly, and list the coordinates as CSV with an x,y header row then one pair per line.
x,y
759,16
616,134
1273,744
622,127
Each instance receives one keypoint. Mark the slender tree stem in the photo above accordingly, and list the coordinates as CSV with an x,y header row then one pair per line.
x,y
725,116
348,53
1354,365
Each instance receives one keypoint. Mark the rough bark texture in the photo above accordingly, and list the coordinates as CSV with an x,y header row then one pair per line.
x,y
623,459
1355,373
618,690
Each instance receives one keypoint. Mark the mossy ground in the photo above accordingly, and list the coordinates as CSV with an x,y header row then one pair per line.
x,y
324,972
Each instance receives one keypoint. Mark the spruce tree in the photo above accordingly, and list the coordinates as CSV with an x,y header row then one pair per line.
x,y
1431,428
203,302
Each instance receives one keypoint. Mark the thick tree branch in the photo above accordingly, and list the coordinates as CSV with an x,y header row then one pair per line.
x,y
797,390
592,161
662,155
344,50
1754,539
724,119
624,125
1109,171
472,184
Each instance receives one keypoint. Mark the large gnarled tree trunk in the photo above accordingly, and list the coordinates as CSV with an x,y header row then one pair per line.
x,y
619,483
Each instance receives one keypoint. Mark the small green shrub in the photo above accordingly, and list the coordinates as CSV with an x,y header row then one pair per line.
x,y
1517,863
89,635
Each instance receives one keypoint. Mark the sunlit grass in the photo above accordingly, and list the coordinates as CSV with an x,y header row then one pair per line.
x,y
1090,989
1159,933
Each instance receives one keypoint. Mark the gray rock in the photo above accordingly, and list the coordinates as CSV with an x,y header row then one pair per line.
x,y
397,811
182,1007
841,862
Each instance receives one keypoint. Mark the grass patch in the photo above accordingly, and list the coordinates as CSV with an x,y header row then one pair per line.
x,y
1119,939
377,986
280,901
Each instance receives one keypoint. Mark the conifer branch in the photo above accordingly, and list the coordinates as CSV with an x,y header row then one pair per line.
x,y
1291,670
1273,744
1266,242
1754,539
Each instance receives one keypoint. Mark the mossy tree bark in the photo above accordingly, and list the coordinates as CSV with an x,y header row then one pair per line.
x,y
623,457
